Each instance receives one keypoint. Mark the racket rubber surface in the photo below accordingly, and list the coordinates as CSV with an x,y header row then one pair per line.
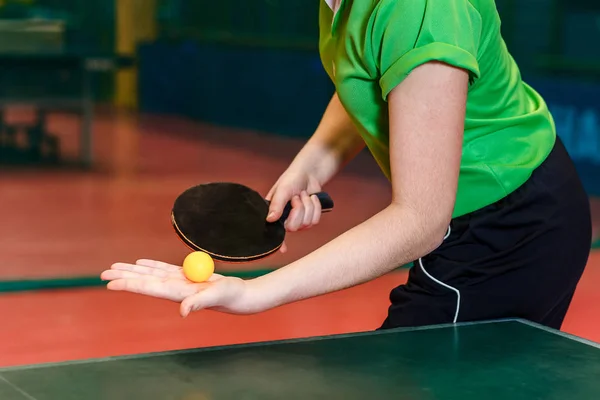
x,y
228,221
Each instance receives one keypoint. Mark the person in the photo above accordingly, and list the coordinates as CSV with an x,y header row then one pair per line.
x,y
485,199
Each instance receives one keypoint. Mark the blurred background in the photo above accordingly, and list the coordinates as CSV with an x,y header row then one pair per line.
x,y
109,109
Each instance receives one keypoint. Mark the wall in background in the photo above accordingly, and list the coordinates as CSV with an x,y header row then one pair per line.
x,y
90,26
286,23
274,90
576,110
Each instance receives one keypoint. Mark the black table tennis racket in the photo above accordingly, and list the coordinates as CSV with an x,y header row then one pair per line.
x,y
228,221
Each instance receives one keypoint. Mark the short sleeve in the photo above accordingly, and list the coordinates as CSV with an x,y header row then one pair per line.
x,y
408,33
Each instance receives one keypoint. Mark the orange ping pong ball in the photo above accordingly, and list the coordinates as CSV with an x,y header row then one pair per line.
x,y
198,266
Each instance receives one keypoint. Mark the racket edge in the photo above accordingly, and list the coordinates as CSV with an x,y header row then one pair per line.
x,y
231,259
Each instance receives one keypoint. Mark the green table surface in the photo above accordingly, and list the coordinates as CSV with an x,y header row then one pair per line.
x,y
485,361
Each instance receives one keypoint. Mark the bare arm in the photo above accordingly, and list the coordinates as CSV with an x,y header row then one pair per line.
x,y
334,143
427,113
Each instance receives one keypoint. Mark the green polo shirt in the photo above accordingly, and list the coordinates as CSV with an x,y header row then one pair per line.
x,y
367,48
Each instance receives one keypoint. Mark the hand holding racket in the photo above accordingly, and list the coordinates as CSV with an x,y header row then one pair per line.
x,y
294,188
229,222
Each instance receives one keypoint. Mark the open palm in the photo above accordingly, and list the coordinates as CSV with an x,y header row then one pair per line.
x,y
152,278
167,281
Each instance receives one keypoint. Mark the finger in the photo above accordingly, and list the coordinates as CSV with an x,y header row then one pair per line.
x,y
308,210
154,288
209,297
294,221
143,270
283,248
112,274
269,195
280,198
317,210
215,277
158,265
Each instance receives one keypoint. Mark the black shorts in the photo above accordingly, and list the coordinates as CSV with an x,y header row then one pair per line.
x,y
521,257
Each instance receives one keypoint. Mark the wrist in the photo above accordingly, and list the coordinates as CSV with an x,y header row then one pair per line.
x,y
262,295
318,161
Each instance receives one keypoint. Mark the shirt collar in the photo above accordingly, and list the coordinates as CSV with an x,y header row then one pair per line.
x,y
333,4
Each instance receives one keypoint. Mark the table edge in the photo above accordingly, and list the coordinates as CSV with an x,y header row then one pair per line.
x,y
16,389
294,340
561,333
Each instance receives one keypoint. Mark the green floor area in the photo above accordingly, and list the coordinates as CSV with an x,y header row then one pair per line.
x,y
23,285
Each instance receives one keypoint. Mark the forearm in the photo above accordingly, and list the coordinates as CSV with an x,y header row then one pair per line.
x,y
393,237
334,143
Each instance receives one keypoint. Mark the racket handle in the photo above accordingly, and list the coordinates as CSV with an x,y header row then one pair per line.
x,y
324,199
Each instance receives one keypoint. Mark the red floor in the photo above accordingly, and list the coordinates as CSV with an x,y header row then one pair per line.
x,y
58,224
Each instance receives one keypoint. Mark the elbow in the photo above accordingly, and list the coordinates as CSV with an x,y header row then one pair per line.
x,y
434,232
436,236
431,229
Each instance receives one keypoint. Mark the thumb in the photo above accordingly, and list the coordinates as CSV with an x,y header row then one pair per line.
x,y
279,200
205,298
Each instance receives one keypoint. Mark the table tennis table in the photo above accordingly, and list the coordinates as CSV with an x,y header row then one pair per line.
x,y
509,359
51,81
